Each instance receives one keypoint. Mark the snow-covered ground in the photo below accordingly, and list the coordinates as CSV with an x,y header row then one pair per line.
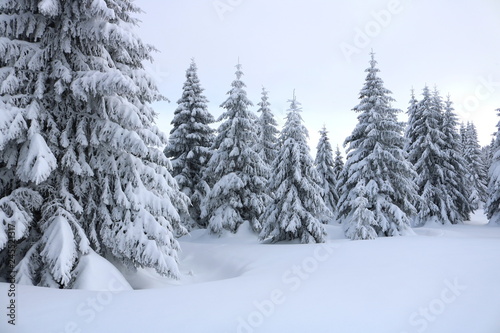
x,y
444,279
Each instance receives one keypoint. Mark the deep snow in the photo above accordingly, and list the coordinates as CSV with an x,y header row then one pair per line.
x,y
444,279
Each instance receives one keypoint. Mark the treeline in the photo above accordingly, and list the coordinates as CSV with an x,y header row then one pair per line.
x,y
396,175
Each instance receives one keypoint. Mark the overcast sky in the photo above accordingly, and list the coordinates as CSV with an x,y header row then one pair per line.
x,y
321,48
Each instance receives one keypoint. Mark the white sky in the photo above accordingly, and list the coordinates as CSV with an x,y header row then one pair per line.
x,y
297,44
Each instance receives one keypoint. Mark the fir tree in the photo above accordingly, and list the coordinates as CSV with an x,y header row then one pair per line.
x,y
338,167
325,167
477,170
338,164
267,132
297,205
463,137
411,134
78,146
432,149
189,144
492,206
425,142
362,224
238,172
456,176
487,158
377,187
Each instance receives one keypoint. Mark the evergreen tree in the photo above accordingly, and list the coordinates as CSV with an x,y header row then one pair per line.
x,y
325,167
267,132
492,206
432,149
189,144
425,142
411,134
78,146
377,189
487,158
456,176
297,204
362,224
237,194
338,164
476,167
463,137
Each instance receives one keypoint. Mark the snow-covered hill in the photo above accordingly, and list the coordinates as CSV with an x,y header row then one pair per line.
x,y
444,279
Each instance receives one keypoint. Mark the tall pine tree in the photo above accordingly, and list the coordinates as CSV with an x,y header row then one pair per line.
x,y
78,148
325,166
297,205
189,144
237,194
377,190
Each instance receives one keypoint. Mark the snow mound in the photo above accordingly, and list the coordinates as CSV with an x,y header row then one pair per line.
x,y
96,273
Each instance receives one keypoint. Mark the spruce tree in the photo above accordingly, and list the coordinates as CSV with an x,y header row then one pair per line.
x,y
297,205
267,143
411,134
433,149
425,143
457,174
477,170
338,167
487,158
238,172
377,187
492,206
78,148
325,164
189,145
363,223
338,164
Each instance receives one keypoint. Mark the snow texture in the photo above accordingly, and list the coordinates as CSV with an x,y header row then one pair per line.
x,y
445,279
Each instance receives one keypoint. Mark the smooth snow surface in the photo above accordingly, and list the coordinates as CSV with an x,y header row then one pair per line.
x,y
443,279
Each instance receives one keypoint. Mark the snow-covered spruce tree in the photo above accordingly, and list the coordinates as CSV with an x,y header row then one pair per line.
x,y
81,152
463,137
362,222
492,206
189,145
338,167
428,151
338,164
378,192
457,175
267,143
238,172
411,135
297,205
425,152
476,167
487,158
325,164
